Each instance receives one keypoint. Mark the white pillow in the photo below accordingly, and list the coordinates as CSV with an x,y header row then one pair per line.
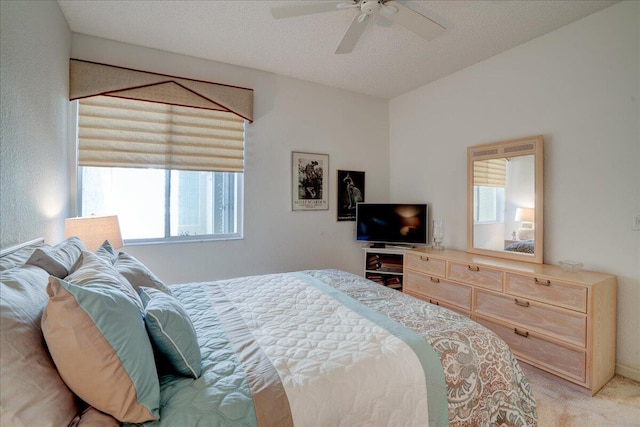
x,y
33,394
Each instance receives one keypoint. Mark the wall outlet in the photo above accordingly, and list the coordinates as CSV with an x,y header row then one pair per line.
x,y
636,222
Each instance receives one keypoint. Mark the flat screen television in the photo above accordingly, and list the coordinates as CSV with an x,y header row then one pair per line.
x,y
392,223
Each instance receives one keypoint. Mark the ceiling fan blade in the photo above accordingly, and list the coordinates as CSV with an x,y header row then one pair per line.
x,y
304,9
353,34
413,21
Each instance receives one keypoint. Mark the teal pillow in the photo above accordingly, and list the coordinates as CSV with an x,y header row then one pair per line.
x,y
171,331
90,269
106,253
97,339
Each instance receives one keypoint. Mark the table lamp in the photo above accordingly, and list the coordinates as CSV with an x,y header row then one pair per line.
x,y
94,230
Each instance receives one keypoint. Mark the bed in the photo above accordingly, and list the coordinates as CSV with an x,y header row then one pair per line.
x,y
95,338
523,246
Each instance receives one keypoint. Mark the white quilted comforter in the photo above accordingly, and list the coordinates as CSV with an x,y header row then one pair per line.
x,y
337,367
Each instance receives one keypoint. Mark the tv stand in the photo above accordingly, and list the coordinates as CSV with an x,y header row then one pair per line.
x,y
391,245
384,265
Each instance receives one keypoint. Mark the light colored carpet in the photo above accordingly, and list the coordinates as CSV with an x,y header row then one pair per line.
x,y
617,404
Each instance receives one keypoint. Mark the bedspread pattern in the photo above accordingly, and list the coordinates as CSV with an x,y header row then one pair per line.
x,y
485,383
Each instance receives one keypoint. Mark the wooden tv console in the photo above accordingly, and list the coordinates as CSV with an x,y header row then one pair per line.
x,y
561,322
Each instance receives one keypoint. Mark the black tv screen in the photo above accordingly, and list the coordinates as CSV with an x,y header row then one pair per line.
x,y
392,223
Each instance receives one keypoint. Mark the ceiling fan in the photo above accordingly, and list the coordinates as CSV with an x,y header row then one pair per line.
x,y
392,10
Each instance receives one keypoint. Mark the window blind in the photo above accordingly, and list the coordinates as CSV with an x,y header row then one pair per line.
x,y
115,132
490,173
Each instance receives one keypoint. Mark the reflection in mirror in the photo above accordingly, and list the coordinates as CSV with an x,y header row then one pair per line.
x,y
505,199
503,208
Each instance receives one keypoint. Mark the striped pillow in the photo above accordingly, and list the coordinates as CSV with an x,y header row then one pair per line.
x,y
171,331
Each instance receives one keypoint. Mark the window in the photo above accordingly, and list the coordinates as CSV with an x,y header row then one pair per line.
x,y
154,204
488,204
168,172
489,179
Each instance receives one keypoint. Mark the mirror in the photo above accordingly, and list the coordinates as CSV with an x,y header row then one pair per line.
x,y
505,199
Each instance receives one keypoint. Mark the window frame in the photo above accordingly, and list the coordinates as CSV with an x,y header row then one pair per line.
x,y
76,198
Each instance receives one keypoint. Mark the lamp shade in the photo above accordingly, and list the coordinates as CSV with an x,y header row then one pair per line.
x,y
94,230
524,214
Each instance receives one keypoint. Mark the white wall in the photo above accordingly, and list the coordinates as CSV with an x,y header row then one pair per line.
x,y
579,87
290,115
34,93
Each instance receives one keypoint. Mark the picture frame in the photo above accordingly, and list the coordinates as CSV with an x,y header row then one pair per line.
x,y
310,181
350,191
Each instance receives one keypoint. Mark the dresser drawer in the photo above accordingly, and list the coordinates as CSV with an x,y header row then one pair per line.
x,y
554,292
476,275
562,324
425,264
530,347
437,302
437,288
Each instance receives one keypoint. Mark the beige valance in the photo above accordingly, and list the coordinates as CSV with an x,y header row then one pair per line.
x,y
87,79
490,173
117,132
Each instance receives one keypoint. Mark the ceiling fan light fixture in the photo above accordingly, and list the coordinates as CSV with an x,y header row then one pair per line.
x,y
369,7
388,10
394,11
347,5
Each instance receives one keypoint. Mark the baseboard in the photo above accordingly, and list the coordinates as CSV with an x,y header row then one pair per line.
x,y
628,372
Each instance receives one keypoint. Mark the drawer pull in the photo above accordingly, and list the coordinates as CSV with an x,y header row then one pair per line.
x,y
434,302
434,279
474,268
424,258
542,282
522,303
522,334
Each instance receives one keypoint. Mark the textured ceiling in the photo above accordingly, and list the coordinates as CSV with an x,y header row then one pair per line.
x,y
387,61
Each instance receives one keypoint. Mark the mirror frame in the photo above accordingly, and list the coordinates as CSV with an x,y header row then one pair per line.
x,y
511,148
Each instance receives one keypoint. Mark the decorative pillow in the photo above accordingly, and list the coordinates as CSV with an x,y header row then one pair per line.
x,y
171,331
60,259
41,259
106,253
33,394
90,269
67,252
138,274
97,339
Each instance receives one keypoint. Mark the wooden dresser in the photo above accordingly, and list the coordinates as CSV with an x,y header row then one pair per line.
x,y
561,322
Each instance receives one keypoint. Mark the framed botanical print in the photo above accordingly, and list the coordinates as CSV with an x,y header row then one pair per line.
x,y
350,192
309,180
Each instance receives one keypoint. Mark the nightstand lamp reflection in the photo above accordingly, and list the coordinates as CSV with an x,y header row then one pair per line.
x,y
526,217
